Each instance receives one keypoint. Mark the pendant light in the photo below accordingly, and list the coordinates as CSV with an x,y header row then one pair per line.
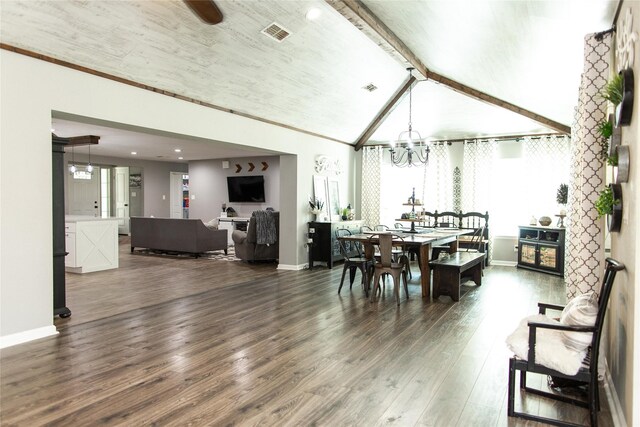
x,y
412,155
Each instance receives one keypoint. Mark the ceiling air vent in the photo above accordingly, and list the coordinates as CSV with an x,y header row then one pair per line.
x,y
276,32
370,87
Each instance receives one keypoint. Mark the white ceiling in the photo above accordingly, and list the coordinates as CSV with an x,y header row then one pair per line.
x,y
528,53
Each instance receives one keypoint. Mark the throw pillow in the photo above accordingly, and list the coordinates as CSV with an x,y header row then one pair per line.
x,y
551,350
580,311
212,225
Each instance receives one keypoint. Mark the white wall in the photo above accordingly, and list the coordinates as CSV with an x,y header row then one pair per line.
x,y
208,186
32,90
155,179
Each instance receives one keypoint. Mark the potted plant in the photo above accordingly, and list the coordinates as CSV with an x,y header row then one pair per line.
x,y
561,198
345,214
613,90
606,130
610,203
316,206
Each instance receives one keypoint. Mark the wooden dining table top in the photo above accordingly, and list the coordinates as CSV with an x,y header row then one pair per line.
x,y
429,236
424,240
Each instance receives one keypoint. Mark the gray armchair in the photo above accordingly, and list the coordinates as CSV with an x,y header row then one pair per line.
x,y
246,242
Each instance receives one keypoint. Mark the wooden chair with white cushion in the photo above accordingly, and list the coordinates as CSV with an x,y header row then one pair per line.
x,y
565,349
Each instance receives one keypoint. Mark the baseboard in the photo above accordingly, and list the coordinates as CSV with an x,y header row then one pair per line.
x,y
617,414
504,263
26,336
292,267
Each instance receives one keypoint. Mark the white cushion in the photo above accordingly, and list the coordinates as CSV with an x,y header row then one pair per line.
x,y
580,311
213,224
551,350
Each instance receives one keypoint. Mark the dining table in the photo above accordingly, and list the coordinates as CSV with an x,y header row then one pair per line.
x,y
424,241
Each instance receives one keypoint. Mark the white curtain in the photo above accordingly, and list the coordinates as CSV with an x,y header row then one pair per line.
x,y
477,168
371,184
584,254
438,180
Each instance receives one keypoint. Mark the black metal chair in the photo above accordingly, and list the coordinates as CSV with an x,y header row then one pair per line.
x,y
587,374
354,259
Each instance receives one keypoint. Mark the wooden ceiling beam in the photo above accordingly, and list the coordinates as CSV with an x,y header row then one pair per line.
x,y
83,140
382,115
363,19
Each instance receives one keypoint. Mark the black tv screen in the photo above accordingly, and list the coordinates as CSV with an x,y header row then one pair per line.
x,y
246,189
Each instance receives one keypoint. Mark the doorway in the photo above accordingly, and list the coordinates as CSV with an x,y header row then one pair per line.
x,y
179,195
84,192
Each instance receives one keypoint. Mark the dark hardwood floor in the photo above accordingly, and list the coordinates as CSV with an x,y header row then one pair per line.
x,y
168,341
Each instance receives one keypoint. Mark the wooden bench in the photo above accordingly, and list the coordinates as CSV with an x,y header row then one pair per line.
x,y
448,271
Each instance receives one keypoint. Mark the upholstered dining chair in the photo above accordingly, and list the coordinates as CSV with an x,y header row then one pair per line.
x,y
354,260
387,266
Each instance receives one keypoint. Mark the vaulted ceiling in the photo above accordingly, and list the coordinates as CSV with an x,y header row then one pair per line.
x,y
524,53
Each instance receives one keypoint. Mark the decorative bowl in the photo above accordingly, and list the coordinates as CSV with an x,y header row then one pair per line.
x,y
544,221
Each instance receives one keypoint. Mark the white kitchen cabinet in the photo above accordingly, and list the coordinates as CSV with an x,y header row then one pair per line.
x,y
91,244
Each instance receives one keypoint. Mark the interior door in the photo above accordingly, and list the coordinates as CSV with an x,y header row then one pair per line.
x,y
175,197
84,192
122,198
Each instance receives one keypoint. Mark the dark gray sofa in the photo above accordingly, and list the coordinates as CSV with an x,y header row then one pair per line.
x,y
246,245
176,235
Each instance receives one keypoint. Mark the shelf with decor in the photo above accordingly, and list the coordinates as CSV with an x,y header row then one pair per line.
x,y
412,217
541,249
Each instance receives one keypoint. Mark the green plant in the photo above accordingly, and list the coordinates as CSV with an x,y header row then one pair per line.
x,y
612,160
562,194
345,211
605,203
612,91
606,129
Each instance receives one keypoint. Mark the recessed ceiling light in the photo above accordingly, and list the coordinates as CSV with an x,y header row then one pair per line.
x,y
313,14
177,150
133,153
180,158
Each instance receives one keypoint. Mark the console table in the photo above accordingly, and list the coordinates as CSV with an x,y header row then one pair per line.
x,y
541,249
324,246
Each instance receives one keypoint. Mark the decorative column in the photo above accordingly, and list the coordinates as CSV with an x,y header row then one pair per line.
x,y
585,234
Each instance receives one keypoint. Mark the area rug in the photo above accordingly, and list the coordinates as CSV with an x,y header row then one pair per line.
x,y
212,255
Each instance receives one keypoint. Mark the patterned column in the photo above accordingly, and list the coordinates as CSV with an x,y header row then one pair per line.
x,y
371,165
585,234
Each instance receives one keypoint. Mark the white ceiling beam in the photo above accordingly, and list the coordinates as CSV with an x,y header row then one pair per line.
x,y
363,19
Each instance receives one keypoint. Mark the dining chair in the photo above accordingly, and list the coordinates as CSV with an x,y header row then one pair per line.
x,y
397,252
475,241
354,260
387,266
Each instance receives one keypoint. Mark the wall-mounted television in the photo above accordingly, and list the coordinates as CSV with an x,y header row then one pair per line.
x,y
246,189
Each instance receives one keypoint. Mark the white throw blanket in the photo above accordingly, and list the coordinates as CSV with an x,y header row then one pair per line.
x,y
551,350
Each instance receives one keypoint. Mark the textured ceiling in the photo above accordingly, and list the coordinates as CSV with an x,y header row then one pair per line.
x,y
528,53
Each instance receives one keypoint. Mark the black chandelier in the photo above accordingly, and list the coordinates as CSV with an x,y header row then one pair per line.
x,y
416,151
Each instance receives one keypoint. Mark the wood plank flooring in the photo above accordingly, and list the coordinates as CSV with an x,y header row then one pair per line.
x,y
164,341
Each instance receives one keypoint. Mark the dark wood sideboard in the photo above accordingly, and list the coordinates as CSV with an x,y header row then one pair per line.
x,y
541,249
324,245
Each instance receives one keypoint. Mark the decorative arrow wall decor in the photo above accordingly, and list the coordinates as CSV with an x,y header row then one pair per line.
x,y
252,166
